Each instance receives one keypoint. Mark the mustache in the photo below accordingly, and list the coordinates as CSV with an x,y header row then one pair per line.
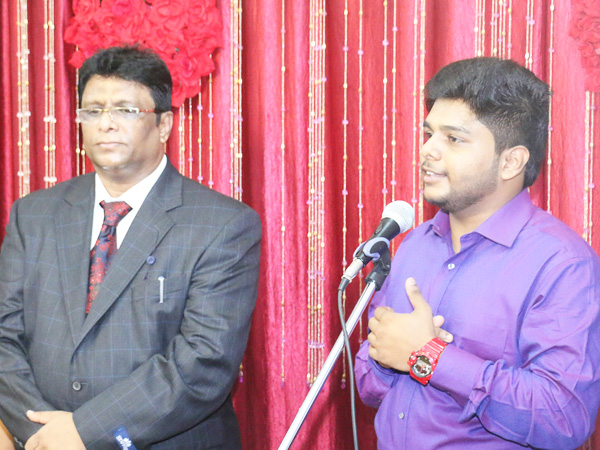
x,y
428,168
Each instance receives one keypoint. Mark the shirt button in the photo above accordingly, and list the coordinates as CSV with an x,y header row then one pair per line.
x,y
401,415
451,266
76,386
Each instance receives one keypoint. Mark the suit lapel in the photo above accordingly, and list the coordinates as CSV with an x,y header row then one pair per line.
x,y
73,220
147,230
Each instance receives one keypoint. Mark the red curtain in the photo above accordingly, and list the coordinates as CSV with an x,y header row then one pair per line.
x,y
330,115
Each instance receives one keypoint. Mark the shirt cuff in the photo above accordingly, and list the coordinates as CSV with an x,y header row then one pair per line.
x,y
385,375
456,373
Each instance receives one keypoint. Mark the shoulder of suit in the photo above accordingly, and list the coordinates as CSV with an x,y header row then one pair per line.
x,y
60,191
195,192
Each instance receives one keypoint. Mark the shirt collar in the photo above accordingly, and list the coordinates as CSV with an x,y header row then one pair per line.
x,y
135,195
502,227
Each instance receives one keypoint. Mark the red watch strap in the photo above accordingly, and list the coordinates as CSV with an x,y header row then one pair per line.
x,y
424,361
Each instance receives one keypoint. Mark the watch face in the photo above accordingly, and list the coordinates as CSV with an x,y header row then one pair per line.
x,y
422,367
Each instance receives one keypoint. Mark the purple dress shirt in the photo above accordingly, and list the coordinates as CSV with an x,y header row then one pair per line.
x,y
522,299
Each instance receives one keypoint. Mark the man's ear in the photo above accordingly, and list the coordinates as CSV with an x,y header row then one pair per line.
x,y
513,161
165,126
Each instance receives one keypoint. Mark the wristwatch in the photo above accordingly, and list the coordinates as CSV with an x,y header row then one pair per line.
x,y
422,362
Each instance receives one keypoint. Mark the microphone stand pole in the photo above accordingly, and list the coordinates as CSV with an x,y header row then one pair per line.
x,y
374,281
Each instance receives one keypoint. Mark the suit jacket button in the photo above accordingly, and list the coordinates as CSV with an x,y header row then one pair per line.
x,y
76,386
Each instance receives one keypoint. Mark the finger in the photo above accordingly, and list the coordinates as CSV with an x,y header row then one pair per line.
x,y
381,311
414,295
32,443
373,353
372,340
444,335
39,416
373,324
438,321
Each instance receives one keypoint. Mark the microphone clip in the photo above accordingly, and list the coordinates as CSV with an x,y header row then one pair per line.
x,y
368,246
381,269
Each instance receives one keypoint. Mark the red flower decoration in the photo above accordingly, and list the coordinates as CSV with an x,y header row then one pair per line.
x,y
185,33
585,28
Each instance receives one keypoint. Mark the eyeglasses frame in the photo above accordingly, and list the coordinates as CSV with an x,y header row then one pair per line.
x,y
109,111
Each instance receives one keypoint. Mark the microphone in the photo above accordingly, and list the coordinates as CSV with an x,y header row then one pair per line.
x,y
397,218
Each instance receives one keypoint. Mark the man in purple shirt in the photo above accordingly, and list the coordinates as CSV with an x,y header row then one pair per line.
x,y
517,291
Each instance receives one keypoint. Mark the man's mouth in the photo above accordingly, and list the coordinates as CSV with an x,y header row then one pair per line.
x,y
432,175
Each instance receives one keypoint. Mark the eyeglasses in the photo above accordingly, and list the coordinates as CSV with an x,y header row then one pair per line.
x,y
118,114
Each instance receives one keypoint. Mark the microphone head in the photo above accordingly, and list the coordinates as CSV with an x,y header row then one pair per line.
x,y
401,213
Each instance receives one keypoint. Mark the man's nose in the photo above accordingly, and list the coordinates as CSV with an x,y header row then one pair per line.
x,y
106,120
430,149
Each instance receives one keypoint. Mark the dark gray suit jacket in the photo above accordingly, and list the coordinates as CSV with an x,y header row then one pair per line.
x,y
163,371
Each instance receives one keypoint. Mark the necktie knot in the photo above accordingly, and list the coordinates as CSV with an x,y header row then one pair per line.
x,y
114,212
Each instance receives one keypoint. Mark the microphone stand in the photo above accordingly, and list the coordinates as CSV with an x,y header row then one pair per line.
x,y
373,281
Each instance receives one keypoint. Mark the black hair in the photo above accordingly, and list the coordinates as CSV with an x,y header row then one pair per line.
x,y
131,63
506,97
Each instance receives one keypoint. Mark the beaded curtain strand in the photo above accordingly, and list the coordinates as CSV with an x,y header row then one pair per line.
x,y
384,88
360,113
190,148
79,152
418,105
479,29
508,39
550,124
211,116
200,108
530,22
394,104
345,176
590,108
416,126
495,25
236,119
181,131
283,192
49,97
23,113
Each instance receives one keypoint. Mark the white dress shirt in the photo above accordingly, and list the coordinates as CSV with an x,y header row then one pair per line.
x,y
134,197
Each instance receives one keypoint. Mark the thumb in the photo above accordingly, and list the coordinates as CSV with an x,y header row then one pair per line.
x,y
414,295
39,416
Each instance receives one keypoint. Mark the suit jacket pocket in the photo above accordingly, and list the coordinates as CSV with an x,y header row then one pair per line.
x,y
160,287
160,297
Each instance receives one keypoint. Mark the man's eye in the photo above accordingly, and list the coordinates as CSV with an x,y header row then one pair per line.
x,y
127,111
93,112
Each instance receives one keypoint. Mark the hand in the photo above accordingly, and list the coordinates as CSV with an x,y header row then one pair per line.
x,y
6,442
395,336
59,431
438,321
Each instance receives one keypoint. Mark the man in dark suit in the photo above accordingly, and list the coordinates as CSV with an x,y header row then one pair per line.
x,y
146,357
